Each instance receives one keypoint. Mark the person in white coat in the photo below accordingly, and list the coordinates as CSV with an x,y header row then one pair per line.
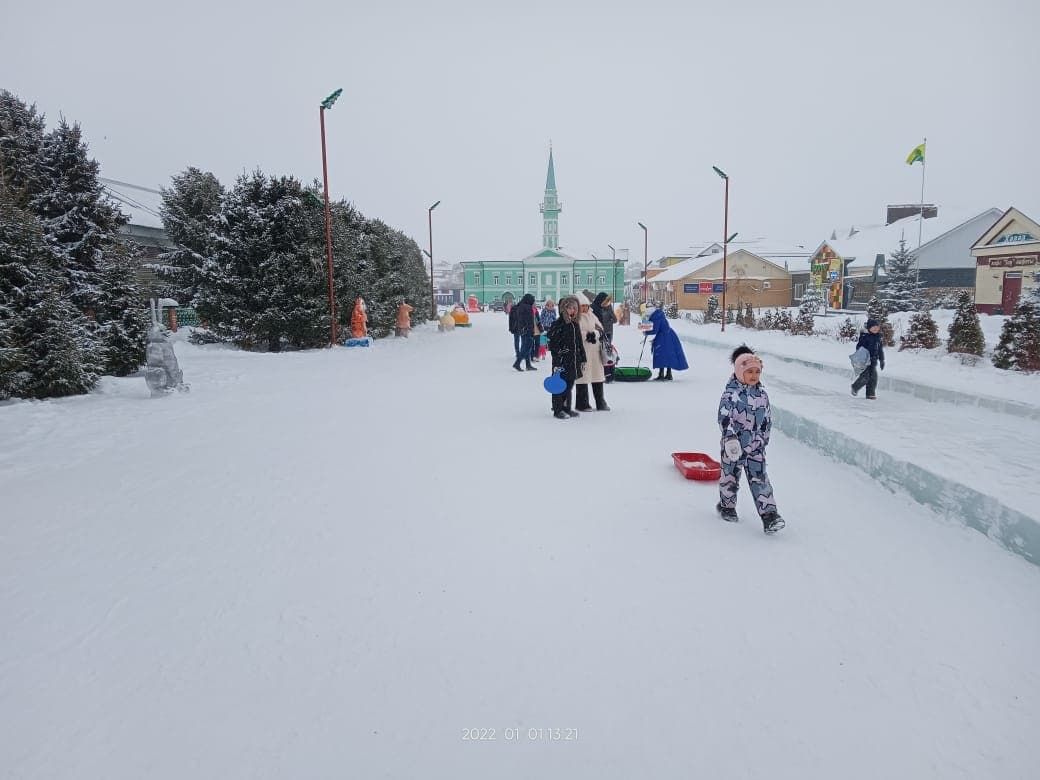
x,y
593,374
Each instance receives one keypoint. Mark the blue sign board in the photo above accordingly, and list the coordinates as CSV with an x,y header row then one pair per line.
x,y
690,288
718,287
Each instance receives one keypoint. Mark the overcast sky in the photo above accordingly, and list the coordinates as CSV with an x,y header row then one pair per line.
x,y
811,107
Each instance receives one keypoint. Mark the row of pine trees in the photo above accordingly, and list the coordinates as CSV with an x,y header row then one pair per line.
x,y
70,306
251,261
249,258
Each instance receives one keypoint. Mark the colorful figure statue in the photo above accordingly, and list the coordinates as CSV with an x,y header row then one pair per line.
x,y
359,319
404,320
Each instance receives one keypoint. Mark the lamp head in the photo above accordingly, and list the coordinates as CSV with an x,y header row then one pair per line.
x,y
330,101
435,205
719,172
641,225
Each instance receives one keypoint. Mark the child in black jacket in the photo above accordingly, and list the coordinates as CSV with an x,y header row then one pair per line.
x,y
870,339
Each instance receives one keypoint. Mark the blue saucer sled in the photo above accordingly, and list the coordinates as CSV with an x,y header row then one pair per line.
x,y
364,341
554,384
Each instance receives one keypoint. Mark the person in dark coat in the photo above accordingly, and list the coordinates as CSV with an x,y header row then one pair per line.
x,y
603,308
667,350
522,318
870,339
568,354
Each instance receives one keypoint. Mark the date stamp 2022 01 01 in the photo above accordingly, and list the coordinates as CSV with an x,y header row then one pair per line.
x,y
520,734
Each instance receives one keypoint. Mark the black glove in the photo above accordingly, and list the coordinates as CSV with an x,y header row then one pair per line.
x,y
881,364
590,337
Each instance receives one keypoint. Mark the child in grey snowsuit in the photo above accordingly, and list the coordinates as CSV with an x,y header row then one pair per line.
x,y
745,421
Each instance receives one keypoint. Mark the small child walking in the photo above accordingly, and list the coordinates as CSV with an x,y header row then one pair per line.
x,y
745,420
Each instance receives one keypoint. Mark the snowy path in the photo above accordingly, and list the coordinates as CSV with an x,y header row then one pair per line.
x,y
333,564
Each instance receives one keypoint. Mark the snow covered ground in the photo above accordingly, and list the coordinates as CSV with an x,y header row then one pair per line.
x,y
348,563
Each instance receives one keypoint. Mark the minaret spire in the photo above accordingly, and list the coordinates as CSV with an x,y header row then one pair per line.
x,y
551,208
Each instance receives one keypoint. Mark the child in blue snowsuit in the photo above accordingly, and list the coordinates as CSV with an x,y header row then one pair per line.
x,y
745,420
667,349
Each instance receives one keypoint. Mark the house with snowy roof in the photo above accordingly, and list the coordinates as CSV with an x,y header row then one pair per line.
x,y
144,226
850,265
1007,260
748,278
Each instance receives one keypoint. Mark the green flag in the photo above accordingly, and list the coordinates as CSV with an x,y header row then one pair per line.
x,y
916,155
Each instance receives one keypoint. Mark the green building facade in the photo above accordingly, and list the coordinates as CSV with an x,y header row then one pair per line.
x,y
547,273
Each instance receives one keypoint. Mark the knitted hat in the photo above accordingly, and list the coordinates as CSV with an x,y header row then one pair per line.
x,y
582,300
871,323
744,362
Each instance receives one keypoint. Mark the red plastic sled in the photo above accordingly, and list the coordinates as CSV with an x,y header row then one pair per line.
x,y
697,465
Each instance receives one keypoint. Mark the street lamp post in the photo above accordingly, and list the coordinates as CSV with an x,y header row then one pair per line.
x,y
327,104
725,243
613,265
595,273
645,260
433,297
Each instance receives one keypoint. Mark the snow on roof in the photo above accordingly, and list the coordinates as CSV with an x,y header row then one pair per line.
x,y
139,203
684,268
873,240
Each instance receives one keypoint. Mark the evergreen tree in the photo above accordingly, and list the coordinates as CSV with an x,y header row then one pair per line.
x,y
923,332
765,322
75,213
190,213
965,331
848,331
783,321
876,311
265,283
1019,346
812,300
62,356
711,313
749,317
123,319
21,136
730,314
902,290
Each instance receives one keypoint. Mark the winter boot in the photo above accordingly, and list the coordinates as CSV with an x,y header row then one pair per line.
x,y
668,376
530,367
772,522
516,365
581,398
597,393
729,514
561,415
855,390
660,375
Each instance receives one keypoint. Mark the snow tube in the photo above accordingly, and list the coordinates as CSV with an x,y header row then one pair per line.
x,y
631,374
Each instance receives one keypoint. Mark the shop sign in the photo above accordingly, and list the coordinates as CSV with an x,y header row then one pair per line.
x,y
718,287
1012,261
1015,238
691,288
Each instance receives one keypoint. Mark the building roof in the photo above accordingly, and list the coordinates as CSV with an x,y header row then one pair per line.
x,y
870,241
140,204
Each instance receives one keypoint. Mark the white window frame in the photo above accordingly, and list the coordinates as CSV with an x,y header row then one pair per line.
x,y
494,279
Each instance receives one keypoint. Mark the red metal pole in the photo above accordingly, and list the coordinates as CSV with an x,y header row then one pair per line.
x,y
725,245
328,231
645,264
433,297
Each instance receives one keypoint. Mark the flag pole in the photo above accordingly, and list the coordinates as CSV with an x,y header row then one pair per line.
x,y
920,216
